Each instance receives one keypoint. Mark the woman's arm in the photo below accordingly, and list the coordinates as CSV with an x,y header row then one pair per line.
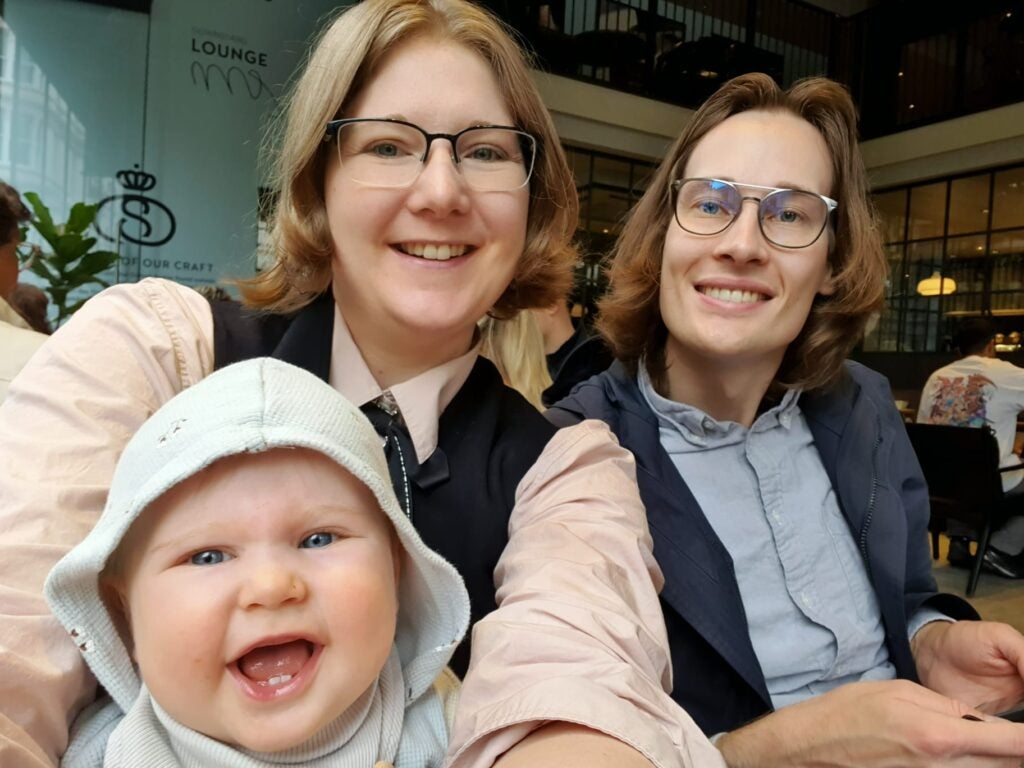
x,y
62,427
571,746
578,636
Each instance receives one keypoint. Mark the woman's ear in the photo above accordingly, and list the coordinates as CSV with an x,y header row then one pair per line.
x,y
827,286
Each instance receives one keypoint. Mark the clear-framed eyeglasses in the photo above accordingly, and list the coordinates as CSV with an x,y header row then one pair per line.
x,y
381,152
789,218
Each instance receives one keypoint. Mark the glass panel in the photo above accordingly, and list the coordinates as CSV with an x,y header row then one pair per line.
x,y
1008,205
968,247
642,175
883,337
1003,243
892,214
607,210
1008,272
580,164
922,314
81,81
968,204
966,265
613,172
927,211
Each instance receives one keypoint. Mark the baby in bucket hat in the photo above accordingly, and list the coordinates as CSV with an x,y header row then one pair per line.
x,y
253,594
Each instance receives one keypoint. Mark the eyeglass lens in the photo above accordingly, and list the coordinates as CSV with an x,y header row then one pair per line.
x,y
790,218
388,154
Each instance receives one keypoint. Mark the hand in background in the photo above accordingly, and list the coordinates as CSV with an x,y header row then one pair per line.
x,y
875,725
980,663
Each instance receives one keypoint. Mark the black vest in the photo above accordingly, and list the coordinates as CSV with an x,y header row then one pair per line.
x,y
488,437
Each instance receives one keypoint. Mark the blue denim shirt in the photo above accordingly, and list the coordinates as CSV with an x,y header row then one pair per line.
x,y
812,614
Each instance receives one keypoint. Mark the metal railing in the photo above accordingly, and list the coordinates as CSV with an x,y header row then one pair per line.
x,y
907,63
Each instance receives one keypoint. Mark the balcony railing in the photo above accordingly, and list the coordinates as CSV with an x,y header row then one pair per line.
x,y
907,63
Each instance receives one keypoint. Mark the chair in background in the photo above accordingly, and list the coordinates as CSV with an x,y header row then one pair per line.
x,y
961,467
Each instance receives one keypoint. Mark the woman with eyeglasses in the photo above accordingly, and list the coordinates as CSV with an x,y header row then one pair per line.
x,y
421,186
788,511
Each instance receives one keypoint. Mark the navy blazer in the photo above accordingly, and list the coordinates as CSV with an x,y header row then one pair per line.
x,y
881,493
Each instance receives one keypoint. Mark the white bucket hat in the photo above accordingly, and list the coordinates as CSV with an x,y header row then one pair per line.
x,y
251,407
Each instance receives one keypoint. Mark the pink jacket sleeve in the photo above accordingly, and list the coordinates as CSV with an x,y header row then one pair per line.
x,y
62,427
578,635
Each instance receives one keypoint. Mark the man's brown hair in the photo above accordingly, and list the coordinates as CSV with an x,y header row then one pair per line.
x,y
630,316
12,213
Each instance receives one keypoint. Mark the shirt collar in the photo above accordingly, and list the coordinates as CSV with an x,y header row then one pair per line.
x,y
421,399
700,429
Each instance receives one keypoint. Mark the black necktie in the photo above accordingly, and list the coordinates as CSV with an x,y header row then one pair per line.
x,y
398,449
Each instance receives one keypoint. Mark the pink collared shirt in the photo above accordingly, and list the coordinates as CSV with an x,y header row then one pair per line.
x,y
578,635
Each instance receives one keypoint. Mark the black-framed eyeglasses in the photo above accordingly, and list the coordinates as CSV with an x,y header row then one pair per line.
x,y
383,152
789,218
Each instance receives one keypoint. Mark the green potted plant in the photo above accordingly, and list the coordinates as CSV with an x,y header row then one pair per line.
x,y
71,261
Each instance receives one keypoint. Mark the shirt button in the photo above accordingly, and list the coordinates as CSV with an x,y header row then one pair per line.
x,y
708,424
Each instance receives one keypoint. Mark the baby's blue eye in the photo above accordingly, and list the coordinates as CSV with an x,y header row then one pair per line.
x,y
208,557
317,540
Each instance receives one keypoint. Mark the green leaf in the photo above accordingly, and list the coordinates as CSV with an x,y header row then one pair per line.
x,y
80,218
95,262
70,247
42,221
39,268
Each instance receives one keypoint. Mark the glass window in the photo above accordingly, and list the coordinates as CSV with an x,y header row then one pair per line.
x,y
1008,271
1008,205
1003,243
580,164
607,210
927,211
613,172
969,247
968,204
892,213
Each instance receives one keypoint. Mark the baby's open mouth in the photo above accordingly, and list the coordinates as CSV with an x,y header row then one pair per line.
x,y
275,665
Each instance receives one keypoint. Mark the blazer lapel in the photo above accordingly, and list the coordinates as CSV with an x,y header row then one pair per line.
x,y
700,584
847,429
307,342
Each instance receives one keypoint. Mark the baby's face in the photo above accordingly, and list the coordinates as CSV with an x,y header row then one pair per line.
x,y
262,597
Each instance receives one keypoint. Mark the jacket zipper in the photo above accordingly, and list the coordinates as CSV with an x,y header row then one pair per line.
x,y
874,495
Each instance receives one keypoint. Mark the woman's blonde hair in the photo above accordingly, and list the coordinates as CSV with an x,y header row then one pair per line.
x,y
630,316
516,347
343,61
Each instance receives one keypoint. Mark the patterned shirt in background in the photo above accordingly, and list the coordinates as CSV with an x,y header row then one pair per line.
x,y
978,391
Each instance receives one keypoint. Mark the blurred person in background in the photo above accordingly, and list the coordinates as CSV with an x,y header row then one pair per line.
x,y
516,347
980,390
32,303
18,342
574,352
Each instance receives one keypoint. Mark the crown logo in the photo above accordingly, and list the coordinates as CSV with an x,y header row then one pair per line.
x,y
136,180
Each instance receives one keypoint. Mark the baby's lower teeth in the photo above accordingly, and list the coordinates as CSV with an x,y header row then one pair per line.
x,y
279,680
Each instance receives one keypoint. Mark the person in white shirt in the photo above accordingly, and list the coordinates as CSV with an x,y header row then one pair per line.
x,y
980,390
